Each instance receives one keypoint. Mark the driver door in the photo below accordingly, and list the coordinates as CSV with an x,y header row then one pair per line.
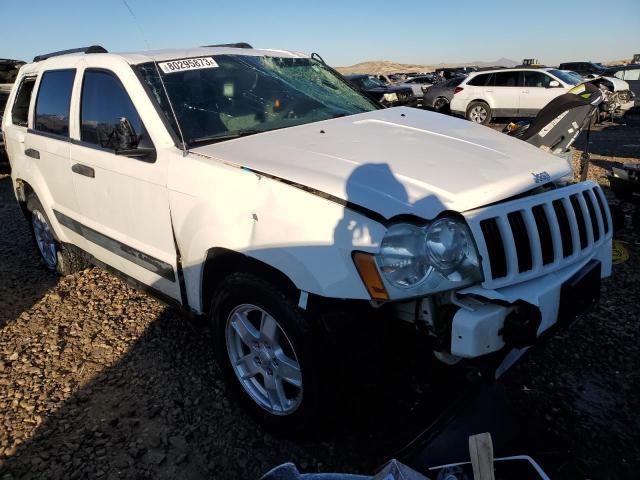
x,y
124,218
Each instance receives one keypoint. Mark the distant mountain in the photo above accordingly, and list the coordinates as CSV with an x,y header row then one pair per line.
x,y
376,67
501,62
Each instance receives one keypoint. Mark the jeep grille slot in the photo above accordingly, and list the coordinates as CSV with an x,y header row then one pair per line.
x,y
565,228
519,241
495,247
544,232
582,228
592,215
603,213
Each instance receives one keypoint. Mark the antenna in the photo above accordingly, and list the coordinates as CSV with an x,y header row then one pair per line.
x,y
185,152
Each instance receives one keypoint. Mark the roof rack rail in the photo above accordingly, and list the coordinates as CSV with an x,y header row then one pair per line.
x,y
231,45
91,49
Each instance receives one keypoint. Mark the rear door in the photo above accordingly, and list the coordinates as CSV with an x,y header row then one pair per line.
x,y
537,92
505,93
124,216
45,144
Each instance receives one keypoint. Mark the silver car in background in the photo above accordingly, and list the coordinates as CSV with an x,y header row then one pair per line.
x,y
439,96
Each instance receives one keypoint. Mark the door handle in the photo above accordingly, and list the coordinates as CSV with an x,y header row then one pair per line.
x,y
30,152
83,170
525,91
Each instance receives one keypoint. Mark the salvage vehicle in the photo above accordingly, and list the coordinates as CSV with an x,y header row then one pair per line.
x,y
389,95
418,85
631,75
260,190
438,97
584,68
513,92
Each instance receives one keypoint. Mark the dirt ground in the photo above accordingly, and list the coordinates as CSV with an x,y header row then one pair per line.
x,y
98,380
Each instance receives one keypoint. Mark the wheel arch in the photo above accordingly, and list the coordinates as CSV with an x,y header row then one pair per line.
x,y
221,262
483,100
22,191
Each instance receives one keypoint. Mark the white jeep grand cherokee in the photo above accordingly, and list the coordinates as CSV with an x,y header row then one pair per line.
x,y
258,188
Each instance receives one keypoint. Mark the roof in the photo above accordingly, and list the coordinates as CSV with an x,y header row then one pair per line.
x,y
135,58
499,70
630,66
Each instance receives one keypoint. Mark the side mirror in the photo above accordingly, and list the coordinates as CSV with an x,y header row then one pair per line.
x,y
124,141
554,84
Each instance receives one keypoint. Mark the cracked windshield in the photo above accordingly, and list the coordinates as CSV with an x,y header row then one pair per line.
x,y
239,95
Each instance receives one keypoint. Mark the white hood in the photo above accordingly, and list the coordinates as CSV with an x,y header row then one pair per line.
x,y
396,161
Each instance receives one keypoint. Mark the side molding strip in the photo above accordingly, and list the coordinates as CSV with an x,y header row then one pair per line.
x,y
129,253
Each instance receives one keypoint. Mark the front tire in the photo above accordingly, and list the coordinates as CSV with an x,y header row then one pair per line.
x,y
479,112
268,351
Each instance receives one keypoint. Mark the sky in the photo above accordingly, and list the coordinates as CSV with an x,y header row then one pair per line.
x,y
342,32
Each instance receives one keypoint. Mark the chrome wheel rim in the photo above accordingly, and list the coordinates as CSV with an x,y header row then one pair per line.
x,y
44,239
263,359
478,114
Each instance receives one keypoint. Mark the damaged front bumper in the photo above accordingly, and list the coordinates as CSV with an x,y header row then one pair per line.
x,y
487,321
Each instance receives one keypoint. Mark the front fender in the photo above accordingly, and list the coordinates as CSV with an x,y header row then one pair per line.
x,y
306,237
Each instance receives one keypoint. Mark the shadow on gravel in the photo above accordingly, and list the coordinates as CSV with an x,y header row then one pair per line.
x,y
23,280
162,411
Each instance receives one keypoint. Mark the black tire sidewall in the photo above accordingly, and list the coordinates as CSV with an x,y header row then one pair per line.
x,y
240,289
443,107
484,105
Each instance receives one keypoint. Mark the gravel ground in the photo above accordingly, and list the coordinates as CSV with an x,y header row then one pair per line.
x,y
98,380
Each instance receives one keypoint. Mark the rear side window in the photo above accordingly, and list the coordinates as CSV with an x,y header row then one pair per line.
x,y
482,80
454,82
632,74
20,111
507,79
105,103
53,102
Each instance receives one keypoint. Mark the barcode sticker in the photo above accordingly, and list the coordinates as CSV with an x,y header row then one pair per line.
x,y
198,63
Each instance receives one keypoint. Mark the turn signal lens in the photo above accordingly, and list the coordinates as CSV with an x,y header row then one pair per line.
x,y
366,265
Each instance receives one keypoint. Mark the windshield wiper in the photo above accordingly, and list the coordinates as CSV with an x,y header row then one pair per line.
x,y
226,136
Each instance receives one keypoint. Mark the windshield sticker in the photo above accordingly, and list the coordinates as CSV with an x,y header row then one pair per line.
x,y
199,63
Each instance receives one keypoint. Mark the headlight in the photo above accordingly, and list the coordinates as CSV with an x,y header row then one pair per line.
x,y
434,258
390,97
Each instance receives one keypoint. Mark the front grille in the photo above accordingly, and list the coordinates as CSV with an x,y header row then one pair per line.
x,y
534,235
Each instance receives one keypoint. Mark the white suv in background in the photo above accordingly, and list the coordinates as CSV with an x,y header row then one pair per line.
x,y
514,92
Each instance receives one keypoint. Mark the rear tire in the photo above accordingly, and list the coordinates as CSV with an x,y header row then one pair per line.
x,y
479,112
269,352
55,256
441,105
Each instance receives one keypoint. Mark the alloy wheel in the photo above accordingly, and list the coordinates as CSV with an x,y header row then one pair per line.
x,y
263,359
44,239
478,114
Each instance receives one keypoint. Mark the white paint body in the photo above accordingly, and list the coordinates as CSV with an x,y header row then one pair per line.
x,y
392,162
